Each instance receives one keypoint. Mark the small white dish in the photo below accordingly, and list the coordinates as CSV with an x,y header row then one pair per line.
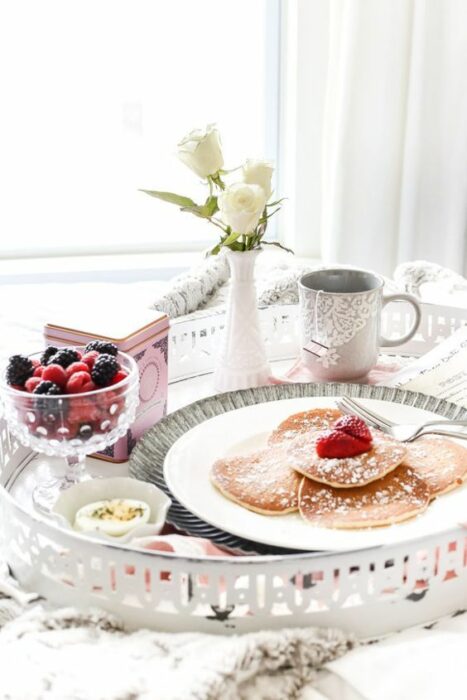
x,y
74,498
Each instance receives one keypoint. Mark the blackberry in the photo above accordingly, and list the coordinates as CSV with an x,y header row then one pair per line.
x,y
50,410
101,347
64,357
104,370
19,369
47,354
48,388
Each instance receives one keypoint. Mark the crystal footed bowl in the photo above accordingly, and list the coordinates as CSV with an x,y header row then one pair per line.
x,y
73,424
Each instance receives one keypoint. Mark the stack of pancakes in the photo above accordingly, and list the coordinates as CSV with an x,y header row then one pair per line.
x,y
390,483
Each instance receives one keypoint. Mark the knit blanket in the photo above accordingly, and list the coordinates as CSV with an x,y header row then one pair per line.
x,y
205,286
72,655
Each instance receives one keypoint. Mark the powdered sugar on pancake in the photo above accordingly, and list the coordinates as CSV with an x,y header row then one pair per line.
x,y
261,481
439,461
398,496
385,455
304,422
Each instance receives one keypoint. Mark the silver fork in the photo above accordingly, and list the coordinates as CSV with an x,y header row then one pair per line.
x,y
404,432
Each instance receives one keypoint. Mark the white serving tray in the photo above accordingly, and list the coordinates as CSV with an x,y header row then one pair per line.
x,y
369,592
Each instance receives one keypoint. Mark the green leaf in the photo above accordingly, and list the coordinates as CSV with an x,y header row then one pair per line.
x,y
279,245
216,249
265,217
278,201
231,238
178,199
210,206
204,211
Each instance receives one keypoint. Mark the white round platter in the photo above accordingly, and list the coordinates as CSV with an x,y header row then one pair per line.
x,y
188,462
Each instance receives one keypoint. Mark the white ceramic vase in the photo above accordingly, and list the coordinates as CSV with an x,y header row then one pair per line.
x,y
242,359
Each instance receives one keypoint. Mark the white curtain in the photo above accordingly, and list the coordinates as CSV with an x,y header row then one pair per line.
x,y
395,123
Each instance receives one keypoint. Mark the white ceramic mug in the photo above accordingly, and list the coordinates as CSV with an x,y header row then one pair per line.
x,y
340,313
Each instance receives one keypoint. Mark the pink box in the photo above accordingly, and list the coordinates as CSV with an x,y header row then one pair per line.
x,y
144,336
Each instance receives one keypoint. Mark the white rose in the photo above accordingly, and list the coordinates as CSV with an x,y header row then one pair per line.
x,y
241,206
259,172
201,151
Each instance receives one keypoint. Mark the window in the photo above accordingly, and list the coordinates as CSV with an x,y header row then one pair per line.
x,y
95,95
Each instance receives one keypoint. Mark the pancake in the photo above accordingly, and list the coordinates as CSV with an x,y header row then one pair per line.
x,y
348,472
304,422
440,462
397,497
261,481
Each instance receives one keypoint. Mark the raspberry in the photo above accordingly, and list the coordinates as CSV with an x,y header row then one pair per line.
x,y
76,367
90,386
47,354
76,382
35,362
89,358
19,369
38,371
119,377
31,383
102,347
83,411
337,444
55,373
354,426
104,370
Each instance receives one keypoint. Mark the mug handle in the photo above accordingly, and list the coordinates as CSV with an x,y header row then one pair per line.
x,y
386,342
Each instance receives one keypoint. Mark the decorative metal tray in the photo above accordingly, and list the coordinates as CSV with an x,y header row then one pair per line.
x,y
369,592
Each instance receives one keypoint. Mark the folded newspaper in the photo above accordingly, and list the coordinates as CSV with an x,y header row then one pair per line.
x,y
442,372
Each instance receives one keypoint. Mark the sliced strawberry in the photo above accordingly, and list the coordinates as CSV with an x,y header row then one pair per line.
x,y
354,426
337,444
56,374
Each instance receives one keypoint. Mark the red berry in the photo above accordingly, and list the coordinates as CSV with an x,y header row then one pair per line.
x,y
89,358
35,362
76,382
79,353
76,367
90,386
83,411
18,387
354,426
38,371
54,373
31,383
337,444
119,377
